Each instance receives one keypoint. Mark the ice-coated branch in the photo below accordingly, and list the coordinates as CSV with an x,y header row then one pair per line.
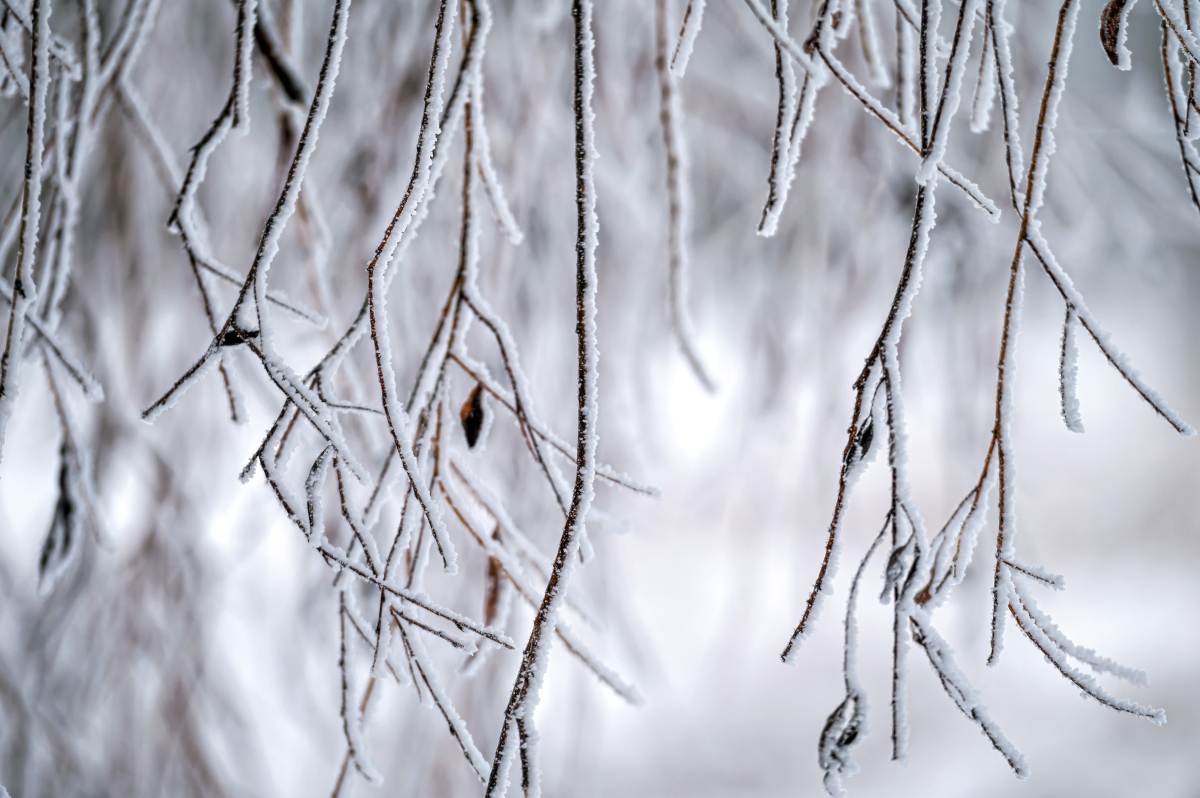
x,y
171,175
59,48
1068,374
847,725
397,417
948,103
527,686
962,694
509,402
1116,358
780,177
882,367
529,592
1037,634
998,32
689,29
1043,148
678,192
24,292
351,714
90,386
985,85
1181,111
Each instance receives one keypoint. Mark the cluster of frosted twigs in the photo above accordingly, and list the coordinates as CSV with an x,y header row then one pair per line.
x,y
323,444
426,471
929,72
429,442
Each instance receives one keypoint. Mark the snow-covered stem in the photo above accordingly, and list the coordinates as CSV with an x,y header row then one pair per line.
x,y
91,387
842,733
285,206
351,715
689,29
906,68
678,191
397,418
878,368
59,48
1116,358
132,104
962,694
527,686
948,103
893,123
864,12
927,88
428,676
416,598
1182,111
247,19
1068,374
528,591
998,32
24,292
523,406
1175,20
985,85
182,219
513,538
510,403
779,177
1043,148
1052,634
780,35
1042,633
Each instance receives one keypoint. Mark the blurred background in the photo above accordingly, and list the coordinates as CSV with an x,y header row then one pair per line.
x,y
195,651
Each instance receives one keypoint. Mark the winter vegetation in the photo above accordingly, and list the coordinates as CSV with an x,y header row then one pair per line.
x,y
374,374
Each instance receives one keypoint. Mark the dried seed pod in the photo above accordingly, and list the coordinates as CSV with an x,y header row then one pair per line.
x,y
236,336
861,444
473,415
843,730
1112,20
61,546
492,585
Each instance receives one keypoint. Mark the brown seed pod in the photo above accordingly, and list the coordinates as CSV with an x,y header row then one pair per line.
x,y
472,416
1110,28
491,587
